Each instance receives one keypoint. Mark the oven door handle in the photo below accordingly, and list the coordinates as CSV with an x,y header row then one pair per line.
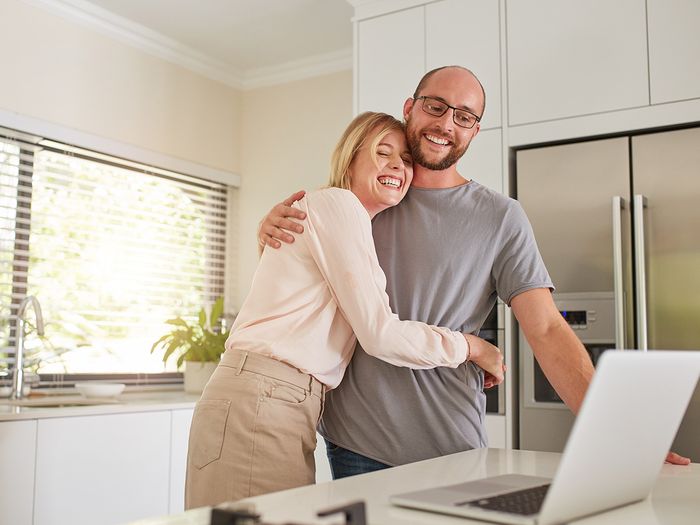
x,y
501,344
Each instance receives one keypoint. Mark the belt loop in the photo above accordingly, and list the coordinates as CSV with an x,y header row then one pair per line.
x,y
242,363
311,384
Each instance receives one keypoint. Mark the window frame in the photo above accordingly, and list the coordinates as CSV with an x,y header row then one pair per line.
x,y
23,203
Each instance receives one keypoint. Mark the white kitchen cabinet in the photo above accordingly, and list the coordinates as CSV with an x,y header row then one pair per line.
x,y
568,58
180,433
102,469
17,456
391,60
467,33
674,50
483,160
496,430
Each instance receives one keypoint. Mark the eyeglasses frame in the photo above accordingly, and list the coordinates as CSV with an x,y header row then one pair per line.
x,y
422,106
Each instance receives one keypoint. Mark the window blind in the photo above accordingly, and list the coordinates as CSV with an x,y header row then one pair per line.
x,y
110,248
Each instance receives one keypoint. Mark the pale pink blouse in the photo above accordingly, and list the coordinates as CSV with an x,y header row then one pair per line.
x,y
309,300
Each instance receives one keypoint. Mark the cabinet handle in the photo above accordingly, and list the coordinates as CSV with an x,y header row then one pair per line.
x,y
640,202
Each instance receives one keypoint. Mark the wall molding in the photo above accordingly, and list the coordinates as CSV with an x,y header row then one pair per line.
x,y
299,69
156,44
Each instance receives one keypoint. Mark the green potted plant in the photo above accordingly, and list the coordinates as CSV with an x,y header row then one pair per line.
x,y
198,345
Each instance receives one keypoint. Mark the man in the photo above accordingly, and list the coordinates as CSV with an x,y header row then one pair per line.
x,y
448,250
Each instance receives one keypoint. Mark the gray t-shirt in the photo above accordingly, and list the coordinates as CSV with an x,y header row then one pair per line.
x,y
447,254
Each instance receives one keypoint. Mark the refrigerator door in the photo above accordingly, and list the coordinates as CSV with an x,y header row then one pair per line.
x,y
666,171
567,192
574,195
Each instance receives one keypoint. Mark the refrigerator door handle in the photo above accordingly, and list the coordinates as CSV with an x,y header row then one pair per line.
x,y
640,202
618,204
501,344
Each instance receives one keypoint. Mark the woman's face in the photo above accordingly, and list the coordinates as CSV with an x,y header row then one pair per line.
x,y
381,180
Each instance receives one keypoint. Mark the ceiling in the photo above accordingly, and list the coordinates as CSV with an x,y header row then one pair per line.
x,y
242,37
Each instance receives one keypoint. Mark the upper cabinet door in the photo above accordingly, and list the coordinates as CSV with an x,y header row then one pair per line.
x,y
674,50
467,33
568,58
391,60
483,160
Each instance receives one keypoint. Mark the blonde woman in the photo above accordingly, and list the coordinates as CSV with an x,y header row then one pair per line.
x,y
254,429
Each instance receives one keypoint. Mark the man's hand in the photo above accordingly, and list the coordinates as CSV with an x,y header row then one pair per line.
x,y
488,357
278,222
675,459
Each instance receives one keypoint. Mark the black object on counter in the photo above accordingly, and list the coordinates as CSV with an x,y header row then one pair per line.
x,y
233,517
354,513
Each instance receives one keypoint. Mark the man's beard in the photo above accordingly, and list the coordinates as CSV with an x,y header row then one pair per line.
x,y
455,153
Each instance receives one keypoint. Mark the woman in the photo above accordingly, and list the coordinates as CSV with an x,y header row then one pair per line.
x,y
254,429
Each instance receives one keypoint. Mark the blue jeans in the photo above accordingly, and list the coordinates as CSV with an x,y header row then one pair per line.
x,y
345,463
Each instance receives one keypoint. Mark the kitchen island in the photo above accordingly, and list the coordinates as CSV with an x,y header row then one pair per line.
x,y
675,499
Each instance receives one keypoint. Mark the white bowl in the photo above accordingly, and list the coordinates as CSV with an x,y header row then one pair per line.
x,y
98,389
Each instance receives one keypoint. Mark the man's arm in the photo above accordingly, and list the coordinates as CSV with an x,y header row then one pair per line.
x,y
276,225
559,352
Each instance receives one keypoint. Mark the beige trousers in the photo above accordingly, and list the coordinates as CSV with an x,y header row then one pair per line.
x,y
253,430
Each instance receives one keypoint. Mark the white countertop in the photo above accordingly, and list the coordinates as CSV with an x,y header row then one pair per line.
x,y
675,499
135,401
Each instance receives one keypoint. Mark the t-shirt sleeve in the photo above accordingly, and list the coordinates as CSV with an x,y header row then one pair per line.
x,y
339,236
518,265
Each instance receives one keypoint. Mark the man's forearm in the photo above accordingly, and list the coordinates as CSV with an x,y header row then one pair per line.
x,y
559,352
565,362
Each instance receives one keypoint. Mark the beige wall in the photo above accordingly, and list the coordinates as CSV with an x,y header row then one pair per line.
x,y
288,134
278,139
67,74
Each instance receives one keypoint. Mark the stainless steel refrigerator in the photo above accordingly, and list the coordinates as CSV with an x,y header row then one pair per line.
x,y
617,221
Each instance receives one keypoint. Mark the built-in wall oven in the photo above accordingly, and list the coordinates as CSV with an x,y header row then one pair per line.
x,y
493,332
545,421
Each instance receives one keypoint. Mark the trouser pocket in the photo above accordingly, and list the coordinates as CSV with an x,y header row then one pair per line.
x,y
208,431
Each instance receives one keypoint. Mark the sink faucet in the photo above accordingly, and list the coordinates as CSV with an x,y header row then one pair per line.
x,y
18,373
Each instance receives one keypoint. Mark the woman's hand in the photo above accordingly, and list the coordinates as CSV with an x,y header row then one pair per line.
x,y
488,357
278,222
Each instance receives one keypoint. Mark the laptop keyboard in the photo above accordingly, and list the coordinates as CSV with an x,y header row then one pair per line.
x,y
525,502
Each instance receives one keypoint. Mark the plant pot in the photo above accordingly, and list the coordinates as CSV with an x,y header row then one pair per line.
x,y
197,374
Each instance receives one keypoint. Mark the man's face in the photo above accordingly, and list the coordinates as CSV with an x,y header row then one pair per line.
x,y
437,143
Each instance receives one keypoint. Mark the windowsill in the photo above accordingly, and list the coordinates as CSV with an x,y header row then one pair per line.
x,y
48,390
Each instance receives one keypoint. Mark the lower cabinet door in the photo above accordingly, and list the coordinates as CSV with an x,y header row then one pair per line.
x,y
178,459
17,449
105,469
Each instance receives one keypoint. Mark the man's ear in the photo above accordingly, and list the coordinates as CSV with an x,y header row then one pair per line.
x,y
407,106
476,131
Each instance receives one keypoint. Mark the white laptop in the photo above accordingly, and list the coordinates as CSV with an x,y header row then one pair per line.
x,y
615,451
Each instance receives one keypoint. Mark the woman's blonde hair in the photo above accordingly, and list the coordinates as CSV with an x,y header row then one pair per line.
x,y
353,139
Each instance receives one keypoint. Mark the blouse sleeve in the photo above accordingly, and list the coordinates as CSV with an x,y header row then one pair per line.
x,y
339,235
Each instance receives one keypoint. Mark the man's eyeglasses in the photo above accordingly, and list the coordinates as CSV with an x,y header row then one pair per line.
x,y
437,108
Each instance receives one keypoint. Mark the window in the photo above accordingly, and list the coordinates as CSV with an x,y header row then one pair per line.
x,y
110,248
